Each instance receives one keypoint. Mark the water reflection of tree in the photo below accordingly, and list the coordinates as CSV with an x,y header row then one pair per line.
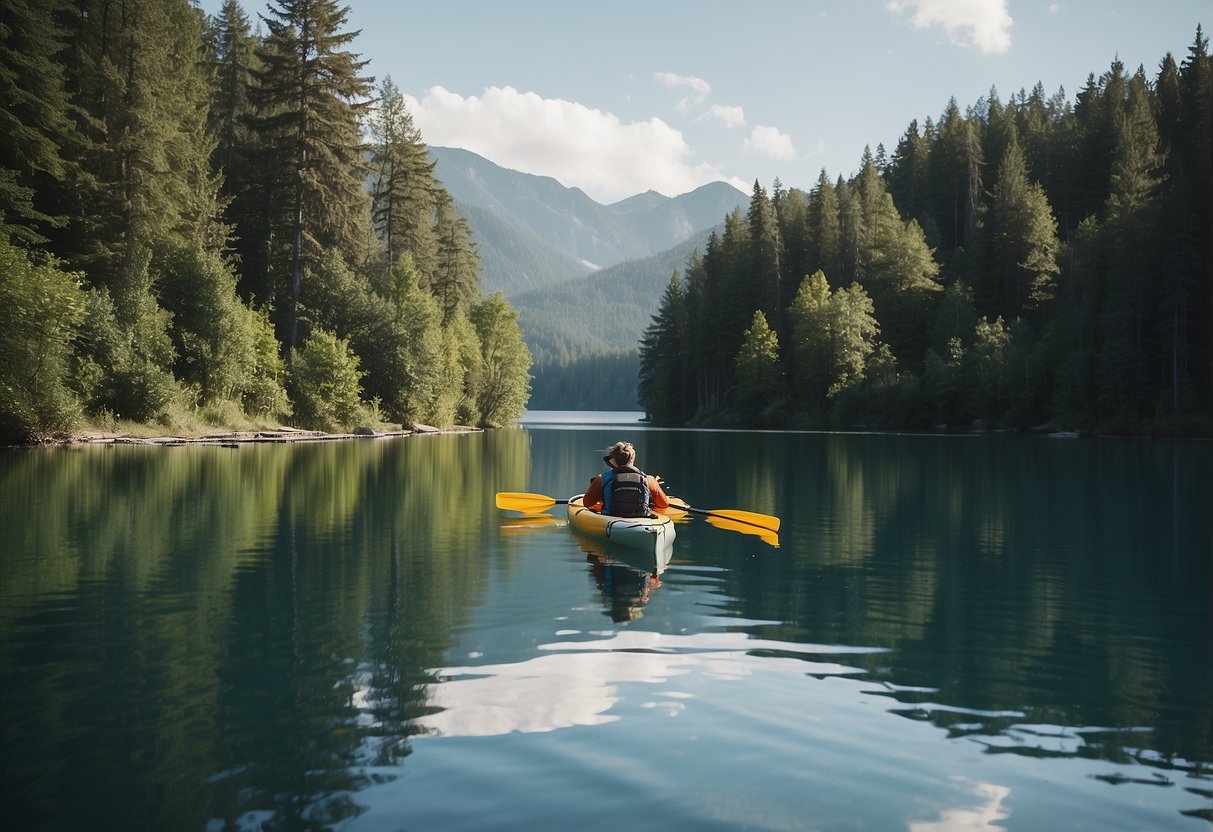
x,y
1016,583
202,633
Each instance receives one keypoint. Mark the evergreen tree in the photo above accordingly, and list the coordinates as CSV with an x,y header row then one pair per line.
x,y
907,177
237,151
310,98
824,231
663,387
1021,267
143,77
759,388
810,350
457,268
792,213
34,118
765,267
1128,363
1196,84
234,54
834,335
900,275
404,186
955,173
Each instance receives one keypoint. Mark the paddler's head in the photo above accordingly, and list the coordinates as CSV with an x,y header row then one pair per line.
x,y
621,453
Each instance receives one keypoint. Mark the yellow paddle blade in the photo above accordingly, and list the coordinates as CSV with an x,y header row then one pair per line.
x,y
766,536
524,502
766,521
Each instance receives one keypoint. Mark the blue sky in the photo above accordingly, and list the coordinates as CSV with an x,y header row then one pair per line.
x,y
622,96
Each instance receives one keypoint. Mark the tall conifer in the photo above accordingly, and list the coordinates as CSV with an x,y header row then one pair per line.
x,y
310,97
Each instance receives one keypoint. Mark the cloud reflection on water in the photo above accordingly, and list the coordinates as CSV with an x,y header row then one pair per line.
x,y
578,682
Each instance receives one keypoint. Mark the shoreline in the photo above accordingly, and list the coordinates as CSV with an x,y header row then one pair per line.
x,y
236,438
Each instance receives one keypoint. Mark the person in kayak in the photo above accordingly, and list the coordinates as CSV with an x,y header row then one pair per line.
x,y
623,490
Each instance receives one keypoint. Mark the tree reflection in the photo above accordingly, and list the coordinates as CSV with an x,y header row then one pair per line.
x,y
230,635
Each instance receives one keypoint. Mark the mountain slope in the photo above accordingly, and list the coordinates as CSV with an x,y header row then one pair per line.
x,y
602,313
512,258
532,231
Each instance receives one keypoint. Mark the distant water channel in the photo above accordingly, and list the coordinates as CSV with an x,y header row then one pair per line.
x,y
956,633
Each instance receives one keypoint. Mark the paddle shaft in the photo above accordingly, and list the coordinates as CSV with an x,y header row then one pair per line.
x,y
732,518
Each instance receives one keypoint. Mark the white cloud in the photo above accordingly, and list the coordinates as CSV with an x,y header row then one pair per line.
x,y
984,23
728,116
576,145
699,88
770,141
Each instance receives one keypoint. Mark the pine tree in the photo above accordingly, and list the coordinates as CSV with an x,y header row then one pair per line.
x,y
404,185
907,176
237,148
34,117
765,265
955,174
144,80
1021,267
457,268
663,388
1126,319
310,98
809,316
824,232
759,387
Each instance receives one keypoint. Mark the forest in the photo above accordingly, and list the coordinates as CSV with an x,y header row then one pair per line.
x,y
211,221
1033,263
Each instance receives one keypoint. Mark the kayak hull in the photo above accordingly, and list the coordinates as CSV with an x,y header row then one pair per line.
x,y
648,534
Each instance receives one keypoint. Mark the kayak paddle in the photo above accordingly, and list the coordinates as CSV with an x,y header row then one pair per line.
x,y
749,522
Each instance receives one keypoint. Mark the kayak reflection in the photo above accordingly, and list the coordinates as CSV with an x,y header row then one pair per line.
x,y
625,588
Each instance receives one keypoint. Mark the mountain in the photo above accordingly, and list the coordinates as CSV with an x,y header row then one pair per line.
x,y
586,278
533,232
584,334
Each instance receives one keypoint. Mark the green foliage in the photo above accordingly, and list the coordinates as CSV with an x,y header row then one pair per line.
x,y
324,383
663,389
500,385
833,336
40,308
1073,288
223,348
397,335
759,389
126,353
310,98
35,119
404,187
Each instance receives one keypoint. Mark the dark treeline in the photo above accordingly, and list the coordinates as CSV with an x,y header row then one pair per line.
x,y
193,222
1028,263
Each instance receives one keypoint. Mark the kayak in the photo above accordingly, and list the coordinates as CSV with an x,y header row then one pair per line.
x,y
649,534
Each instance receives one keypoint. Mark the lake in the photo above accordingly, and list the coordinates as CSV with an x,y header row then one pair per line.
x,y
955,633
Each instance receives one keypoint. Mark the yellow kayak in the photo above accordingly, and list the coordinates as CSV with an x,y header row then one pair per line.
x,y
648,534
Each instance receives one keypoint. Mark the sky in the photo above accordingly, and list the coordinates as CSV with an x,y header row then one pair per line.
x,y
619,97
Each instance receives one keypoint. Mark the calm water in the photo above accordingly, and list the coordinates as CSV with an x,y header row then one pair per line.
x,y
956,633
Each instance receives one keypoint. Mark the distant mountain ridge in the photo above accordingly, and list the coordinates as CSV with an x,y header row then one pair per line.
x,y
532,232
